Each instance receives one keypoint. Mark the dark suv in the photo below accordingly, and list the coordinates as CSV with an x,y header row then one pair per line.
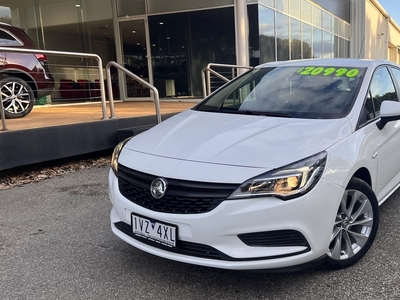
x,y
23,76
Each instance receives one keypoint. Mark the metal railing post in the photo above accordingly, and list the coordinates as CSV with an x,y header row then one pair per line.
x,y
137,78
205,75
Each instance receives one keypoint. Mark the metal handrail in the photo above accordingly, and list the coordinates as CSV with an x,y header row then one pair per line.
x,y
63,53
205,75
137,78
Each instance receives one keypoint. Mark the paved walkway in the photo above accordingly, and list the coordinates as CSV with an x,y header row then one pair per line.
x,y
53,115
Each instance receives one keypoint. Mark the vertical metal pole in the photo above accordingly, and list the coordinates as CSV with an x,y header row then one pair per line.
x,y
242,34
110,91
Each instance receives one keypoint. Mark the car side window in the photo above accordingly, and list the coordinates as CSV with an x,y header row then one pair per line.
x,y
396,73
381,88
8,40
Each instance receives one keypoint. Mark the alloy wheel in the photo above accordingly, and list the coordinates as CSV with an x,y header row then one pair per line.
x,y
353,225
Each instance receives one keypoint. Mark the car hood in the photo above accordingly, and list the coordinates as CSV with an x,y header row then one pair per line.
x,y
239,140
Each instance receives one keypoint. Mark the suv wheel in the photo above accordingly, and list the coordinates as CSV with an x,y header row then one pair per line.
x,y
17,97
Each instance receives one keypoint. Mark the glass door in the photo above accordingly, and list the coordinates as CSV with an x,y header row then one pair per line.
x,y
135,57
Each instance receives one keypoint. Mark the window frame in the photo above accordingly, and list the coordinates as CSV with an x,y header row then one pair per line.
x,y
396,86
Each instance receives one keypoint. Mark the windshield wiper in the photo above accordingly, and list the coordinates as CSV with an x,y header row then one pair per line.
x,y
263,113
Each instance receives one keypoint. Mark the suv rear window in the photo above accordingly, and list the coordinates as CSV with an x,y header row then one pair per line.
x,y
8,40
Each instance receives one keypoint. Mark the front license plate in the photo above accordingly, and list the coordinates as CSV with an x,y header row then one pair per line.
x,y
153,230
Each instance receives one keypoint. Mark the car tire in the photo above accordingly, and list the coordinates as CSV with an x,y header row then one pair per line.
x,y
17,97
355,226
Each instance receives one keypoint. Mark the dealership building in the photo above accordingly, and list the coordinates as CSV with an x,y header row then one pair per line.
x,y
169,42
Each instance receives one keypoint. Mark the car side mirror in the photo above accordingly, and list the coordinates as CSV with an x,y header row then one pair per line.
x,y
390,111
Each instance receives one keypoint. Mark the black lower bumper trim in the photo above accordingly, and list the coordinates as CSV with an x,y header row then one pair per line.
x,y
195,249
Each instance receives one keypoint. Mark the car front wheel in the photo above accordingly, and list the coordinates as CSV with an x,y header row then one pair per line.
x,y
17,97
355,225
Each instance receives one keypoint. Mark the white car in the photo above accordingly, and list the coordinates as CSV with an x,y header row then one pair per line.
x,y
282,168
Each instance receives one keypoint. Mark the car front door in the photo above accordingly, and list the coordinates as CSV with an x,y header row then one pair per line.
x,y
383,88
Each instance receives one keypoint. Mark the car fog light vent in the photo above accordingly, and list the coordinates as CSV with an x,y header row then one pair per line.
x,y
278,238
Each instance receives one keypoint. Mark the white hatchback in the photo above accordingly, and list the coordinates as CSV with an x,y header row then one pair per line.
x,y
284,167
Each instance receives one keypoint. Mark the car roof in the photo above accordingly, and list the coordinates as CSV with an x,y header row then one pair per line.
x,y
332,62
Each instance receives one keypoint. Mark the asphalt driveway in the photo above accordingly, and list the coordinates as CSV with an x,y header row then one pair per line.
x,y
56,243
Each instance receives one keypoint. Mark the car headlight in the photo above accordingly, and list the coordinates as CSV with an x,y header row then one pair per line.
x,y
287,182
115,155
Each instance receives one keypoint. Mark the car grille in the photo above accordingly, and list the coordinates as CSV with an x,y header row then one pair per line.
x,y
194,249
278,238
181,197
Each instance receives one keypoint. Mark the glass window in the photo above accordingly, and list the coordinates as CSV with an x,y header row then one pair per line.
x,y
317,16
335,46
346,31
307,40
342,28
396,73
282,36
162,6
336,25
381,88
295,39
7,40
344,47
299,92
270,3
327,21
282,5
306,11
5,14
328,45
182,44
294,8
130,7
317,43
267,34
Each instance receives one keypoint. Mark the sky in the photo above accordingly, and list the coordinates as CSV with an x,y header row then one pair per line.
x,y
392,7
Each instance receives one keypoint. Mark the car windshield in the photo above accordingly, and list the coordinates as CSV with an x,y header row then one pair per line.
x,y
322,92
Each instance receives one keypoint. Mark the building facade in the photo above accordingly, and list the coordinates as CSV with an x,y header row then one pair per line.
x,y
169,42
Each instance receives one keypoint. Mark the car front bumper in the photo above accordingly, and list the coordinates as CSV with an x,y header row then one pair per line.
x,y
312,215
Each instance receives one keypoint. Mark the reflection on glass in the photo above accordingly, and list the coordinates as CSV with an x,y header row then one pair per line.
x,y
336,46
342,29
282,5
307,40
295,39
254,35
282,36
328,45
130,7
317,16
327,22
133,39
343,48
270,3
336,25
306,11
74,26
267,34
182,44
294,8
347,31
317,43
162,6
